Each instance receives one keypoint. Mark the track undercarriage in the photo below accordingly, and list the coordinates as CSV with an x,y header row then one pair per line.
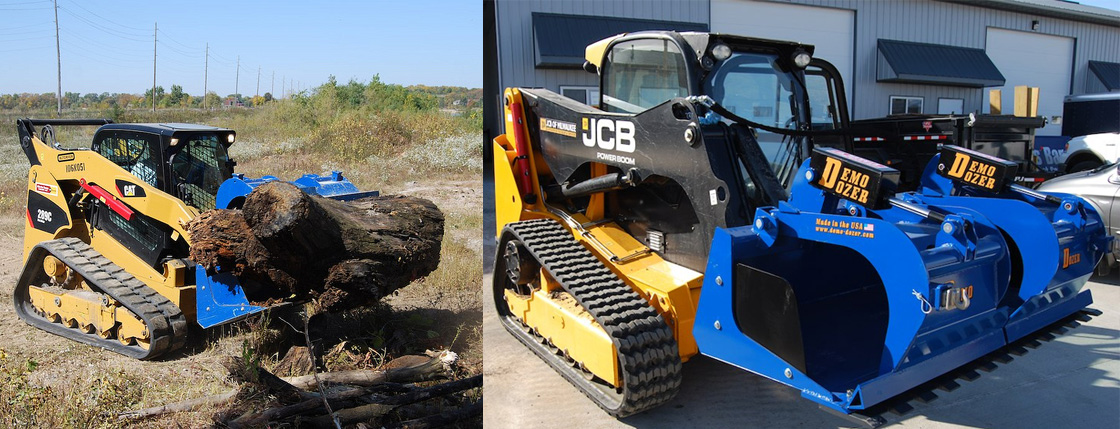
x,y
70,290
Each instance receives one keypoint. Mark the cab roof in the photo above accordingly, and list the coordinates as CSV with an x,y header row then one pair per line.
x,y
163,129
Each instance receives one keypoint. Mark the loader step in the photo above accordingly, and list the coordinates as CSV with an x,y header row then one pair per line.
x,y
165,323
648,355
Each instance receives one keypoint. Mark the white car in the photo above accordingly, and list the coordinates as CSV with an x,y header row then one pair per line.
x,y
1101,188
1091,151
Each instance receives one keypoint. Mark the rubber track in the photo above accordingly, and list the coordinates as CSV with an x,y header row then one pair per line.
x,y
167,327
649,358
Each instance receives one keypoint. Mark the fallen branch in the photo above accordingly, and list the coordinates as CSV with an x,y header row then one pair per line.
x,y
441,419
437,366
382,406
180,406
432,369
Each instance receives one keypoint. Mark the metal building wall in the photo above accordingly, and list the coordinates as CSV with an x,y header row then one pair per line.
x,y
925,21
951,24
515,34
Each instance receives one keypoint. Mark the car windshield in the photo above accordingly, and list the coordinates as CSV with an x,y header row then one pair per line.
x,y
758,88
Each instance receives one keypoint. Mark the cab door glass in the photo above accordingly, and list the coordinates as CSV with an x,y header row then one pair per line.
x,y
198,168
640,74
133,152
822,104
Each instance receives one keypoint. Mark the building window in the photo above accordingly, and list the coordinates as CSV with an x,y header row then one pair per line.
x,y
906,105
950,106
588,95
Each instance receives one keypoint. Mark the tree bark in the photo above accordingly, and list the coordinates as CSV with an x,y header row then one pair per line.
x,y
285,242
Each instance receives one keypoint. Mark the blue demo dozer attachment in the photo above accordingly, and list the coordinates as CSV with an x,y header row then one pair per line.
x,y
918,285
220,296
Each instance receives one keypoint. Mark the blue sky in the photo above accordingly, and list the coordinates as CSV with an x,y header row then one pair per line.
x,y
107,45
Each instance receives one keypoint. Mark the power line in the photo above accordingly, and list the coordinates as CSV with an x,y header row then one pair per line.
x,y
101,28
138,30
179,51
40,24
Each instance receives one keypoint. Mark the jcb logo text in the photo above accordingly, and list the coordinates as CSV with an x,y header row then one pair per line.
x,y
608,134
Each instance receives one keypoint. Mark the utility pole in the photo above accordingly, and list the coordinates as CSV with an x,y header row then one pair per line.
x,y
206,74
155,42
273,91
237,79
258,82
58,51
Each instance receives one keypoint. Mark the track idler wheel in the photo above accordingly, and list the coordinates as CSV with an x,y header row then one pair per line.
x,y
521,267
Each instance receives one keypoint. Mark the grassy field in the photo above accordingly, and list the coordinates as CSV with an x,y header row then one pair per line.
x,y
47,381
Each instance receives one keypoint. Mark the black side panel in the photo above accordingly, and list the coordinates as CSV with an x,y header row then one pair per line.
x,y
766,310
45,215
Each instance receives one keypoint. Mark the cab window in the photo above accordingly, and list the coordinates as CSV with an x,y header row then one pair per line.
x,y
198,168
640,74
133,152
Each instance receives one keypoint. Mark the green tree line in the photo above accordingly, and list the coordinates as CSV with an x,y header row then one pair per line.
x,y
376,95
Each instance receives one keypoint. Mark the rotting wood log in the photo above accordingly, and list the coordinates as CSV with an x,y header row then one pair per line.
x,y
285,242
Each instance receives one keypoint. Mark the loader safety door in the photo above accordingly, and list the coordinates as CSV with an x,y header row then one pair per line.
x,y
643,73
198,166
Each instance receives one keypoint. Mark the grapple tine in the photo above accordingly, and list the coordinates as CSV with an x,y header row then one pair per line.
x,y
1002,357
968,375
1072,324
1084,317
986,366
1032,343
1091,311
948,385
1057,330
901,407
1016,350
1045,336
926,396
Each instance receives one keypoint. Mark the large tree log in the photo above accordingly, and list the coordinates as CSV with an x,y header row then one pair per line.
x,y
286,242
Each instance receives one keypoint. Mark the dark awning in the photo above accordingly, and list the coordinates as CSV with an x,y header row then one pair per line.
x,y
911,62
1108,73
560,40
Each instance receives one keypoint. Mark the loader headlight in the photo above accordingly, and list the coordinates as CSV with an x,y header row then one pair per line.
x,y
801,59
230,137
721,52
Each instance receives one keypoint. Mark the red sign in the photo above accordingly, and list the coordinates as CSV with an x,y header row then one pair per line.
x,y
43,188
927,125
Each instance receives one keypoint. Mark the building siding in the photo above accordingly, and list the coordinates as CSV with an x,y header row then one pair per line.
x,y
956,25
926,21
515,34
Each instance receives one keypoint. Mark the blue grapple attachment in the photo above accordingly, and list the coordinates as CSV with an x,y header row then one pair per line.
x,y
220,296
855,295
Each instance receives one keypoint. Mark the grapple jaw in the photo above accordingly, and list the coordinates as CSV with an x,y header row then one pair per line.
x,y
854,302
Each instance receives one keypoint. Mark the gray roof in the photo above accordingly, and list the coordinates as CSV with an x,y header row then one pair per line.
x,y
561,39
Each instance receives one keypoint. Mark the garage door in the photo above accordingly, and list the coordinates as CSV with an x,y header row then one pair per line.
x,y
1033,59
830,30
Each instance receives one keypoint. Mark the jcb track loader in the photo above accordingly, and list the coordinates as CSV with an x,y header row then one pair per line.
x,y
106,243
694,214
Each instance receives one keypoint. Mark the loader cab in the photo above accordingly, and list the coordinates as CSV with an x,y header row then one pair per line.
x,y
764,81
185,160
